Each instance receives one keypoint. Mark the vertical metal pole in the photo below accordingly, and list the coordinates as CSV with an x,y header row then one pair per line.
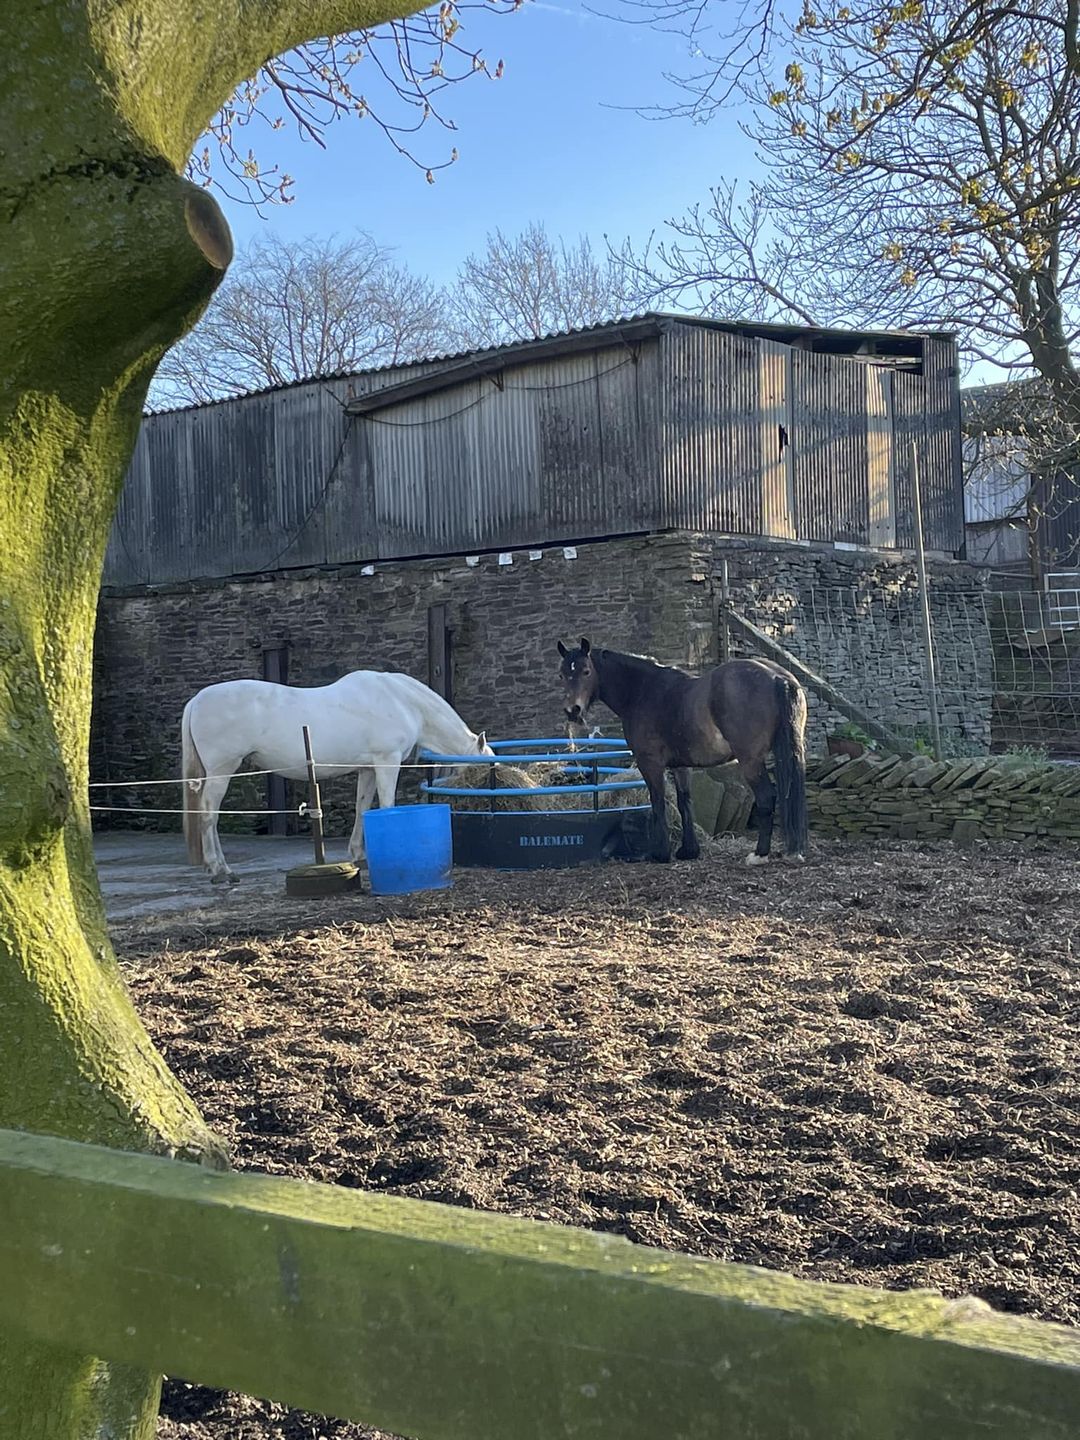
x,y
1034,543
596,782
493,785
924,608
314,802
723,634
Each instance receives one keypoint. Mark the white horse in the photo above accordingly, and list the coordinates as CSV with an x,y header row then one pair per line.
x,y
367,721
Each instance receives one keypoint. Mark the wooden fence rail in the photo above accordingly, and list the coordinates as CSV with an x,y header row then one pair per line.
x,y
445,1323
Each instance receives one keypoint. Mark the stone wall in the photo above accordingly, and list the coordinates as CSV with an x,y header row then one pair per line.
x,y
963,800
155,649
886,797
658,594
853,617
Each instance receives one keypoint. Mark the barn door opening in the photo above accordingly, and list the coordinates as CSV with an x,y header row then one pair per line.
x,y
440,677
777,475
275,668
880,458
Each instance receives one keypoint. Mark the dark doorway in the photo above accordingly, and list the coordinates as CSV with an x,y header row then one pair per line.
x,y
440,675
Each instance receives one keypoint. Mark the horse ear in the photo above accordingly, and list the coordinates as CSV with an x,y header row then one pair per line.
x,y
481,741
585,646
563,650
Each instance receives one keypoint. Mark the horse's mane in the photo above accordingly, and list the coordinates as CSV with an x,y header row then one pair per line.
x,y
437,706
424,692
638,663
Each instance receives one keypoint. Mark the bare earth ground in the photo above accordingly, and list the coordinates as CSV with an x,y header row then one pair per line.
x,y
863,1070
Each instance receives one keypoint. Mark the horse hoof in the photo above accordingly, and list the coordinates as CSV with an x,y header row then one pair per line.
x,y
224,877
799,859
755,859
685,854
661,859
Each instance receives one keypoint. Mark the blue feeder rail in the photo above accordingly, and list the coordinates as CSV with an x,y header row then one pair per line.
x,y
528,838
556,751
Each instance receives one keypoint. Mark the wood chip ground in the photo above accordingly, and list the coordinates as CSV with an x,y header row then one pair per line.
x,y
864,1069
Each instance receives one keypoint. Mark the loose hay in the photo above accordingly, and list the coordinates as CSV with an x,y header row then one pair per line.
x,y
534,777
862,1070
551,774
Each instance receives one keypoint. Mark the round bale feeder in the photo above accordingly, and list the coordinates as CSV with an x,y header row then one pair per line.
x,y
560,806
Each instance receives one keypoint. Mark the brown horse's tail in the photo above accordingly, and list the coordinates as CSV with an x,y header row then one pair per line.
x,y
191,769
789,751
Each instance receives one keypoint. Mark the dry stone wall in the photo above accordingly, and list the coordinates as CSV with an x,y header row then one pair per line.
x,y
657,594
964,801
914,799
853,616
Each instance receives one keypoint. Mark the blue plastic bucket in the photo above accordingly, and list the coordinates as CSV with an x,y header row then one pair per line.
x,y
409,847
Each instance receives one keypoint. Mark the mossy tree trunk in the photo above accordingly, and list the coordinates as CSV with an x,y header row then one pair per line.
x,y
107,256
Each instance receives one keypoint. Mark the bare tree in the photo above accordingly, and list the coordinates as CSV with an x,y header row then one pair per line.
x,y
393,76
726,259
529,285
1019,474
286,311
921,168
727,39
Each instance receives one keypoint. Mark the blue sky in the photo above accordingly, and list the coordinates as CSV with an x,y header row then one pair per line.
x,y
552,140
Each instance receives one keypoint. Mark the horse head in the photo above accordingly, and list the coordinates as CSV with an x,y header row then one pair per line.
x,y
580,679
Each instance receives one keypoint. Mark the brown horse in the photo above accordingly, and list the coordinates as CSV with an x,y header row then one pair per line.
x,y
675,722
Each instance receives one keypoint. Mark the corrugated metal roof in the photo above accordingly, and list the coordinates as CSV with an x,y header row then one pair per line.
x,y
1006,407
652,423
898,345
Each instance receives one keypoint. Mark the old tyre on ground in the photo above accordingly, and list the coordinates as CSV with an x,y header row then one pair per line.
x,y
328,879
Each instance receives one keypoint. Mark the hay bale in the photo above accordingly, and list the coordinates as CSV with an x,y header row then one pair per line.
x,y
478,777
553,774
534,777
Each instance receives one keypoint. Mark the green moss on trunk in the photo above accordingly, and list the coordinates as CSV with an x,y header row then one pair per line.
x,y
107,256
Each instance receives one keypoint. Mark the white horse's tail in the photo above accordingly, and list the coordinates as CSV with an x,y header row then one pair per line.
x,y
192,769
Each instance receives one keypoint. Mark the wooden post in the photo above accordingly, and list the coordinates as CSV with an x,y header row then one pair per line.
x,y
924,608
1034,550
880,457
314,802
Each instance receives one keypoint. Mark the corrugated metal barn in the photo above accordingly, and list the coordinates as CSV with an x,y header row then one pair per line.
x,y
1023,516
644,425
